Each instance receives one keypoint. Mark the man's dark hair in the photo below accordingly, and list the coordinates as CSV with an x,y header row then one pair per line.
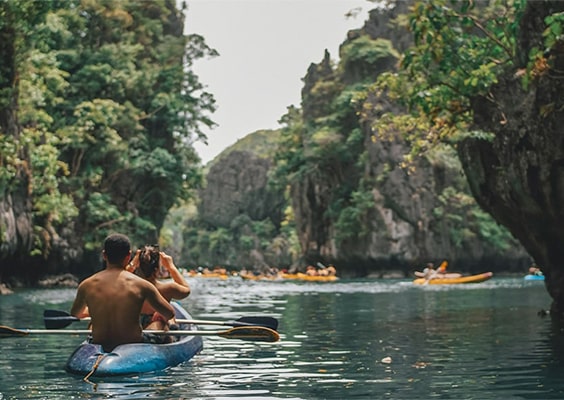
x,y
116,247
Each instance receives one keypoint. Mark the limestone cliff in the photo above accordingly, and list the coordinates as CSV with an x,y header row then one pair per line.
x,y
16,227
239,213
519,175
401,216
238,184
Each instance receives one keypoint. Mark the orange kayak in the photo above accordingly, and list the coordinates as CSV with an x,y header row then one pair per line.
x,y
295,277
453,281
312,278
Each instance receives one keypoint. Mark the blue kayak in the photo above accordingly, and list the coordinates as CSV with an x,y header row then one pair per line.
x,y
135,358
534,277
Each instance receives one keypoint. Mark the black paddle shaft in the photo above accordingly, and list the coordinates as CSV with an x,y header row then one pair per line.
x,y
55,319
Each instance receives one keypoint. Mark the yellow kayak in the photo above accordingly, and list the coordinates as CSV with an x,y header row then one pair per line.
x,y
253,277
295,277
452,281
206,275
311,278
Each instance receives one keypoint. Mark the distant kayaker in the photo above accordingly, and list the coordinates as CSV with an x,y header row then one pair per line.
x,y
114,298
429,272
147,263
535,270
311,271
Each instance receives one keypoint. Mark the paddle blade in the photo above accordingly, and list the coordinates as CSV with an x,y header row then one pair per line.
x,y
55,319
254,333
6,331
267,322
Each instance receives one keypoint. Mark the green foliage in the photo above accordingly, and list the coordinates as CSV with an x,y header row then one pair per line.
x,y
352,220
288,241
541,60
109,108
325,141
327,147
262,143
104,216
49,201
219,242
290,157
460,49
8,161
343,112
246,242
554,30
233,246
366,54
490,231
466,221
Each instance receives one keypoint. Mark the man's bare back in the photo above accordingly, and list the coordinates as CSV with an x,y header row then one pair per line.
x,y
114,298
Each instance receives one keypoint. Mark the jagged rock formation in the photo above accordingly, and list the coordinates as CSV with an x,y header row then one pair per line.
x,y
238,184
406,222
240,206
403,226
519,176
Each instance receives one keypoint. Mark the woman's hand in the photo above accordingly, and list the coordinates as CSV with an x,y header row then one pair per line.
x,y
166,261
134,263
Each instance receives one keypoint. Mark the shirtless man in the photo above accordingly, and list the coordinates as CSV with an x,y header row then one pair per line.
x,y
114,298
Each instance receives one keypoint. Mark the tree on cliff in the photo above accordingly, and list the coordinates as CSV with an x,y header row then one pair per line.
x,y
102,106
489,81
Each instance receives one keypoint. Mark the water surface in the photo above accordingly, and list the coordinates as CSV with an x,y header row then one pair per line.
x,y
352,339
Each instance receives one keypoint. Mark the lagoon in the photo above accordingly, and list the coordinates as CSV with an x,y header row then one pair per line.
x,y
351,339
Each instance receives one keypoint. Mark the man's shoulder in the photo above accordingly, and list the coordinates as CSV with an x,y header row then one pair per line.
x,y
91,278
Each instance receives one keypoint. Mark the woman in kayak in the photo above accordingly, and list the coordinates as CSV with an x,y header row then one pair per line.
x,y
147,264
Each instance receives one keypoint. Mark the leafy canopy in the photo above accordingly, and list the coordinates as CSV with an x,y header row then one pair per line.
x,y
460,48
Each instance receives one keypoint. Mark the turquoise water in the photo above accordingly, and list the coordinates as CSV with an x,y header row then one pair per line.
x,y
362,339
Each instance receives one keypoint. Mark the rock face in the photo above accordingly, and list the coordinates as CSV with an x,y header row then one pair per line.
x,y
410,218
57,281
237,184
238,205
411,213
16,226
15,219
519,176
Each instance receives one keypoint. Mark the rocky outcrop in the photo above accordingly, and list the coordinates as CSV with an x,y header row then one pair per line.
x,y
59,281
518,177
423,212
238,184
16,227
240,214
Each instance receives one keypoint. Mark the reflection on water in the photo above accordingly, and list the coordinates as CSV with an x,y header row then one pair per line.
x,y
361,339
